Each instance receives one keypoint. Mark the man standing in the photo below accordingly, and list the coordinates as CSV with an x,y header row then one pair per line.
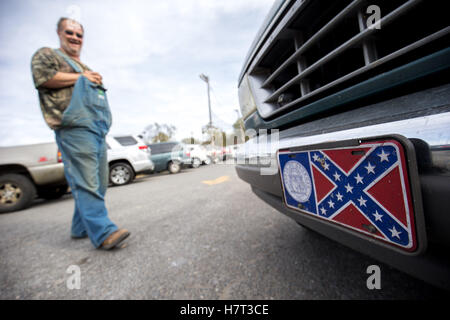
x,y
75,106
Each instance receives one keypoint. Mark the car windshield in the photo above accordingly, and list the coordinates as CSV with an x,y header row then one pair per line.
x,y
126,140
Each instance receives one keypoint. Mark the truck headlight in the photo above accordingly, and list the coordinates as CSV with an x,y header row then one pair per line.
x,y
246,100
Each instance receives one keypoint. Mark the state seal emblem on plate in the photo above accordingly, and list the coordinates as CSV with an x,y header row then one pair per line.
x,y
297,181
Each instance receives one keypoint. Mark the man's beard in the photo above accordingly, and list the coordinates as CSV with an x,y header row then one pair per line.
x,y
70,50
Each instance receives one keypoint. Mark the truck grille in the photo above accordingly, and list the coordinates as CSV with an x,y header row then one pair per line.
x,y
320,47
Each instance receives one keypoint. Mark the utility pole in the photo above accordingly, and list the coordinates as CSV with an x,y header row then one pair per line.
x,y
209,126
206,79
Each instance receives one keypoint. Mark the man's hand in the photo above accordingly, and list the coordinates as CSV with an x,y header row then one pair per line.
x,y
92,76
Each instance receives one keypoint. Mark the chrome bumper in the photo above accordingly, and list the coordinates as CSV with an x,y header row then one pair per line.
x,y
434,130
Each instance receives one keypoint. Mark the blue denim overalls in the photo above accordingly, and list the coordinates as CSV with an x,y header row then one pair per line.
x,y
81,140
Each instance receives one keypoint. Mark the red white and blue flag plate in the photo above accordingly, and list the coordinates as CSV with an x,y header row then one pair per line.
x,y
364,188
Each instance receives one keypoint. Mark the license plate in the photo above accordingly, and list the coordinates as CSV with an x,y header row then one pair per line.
x,y
362,185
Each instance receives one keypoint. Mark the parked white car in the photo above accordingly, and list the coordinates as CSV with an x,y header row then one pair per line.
x,y
127,156
198,155
214,152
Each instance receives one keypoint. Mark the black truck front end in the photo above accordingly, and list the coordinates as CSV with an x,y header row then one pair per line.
x,y
347,108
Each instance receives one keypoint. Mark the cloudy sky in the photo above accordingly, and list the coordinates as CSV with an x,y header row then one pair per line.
x,y
149,52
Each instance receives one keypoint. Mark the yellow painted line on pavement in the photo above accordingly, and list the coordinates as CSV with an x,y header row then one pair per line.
x,y
216,181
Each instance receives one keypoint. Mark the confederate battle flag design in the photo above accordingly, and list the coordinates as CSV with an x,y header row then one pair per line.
x,y
364,188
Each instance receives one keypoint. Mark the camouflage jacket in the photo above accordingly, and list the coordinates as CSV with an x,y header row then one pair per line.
x,y
45,63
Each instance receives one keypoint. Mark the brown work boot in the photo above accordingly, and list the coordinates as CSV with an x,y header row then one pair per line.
x,y
115,238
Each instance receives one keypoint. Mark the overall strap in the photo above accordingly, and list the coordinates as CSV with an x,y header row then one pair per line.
x,y
69,61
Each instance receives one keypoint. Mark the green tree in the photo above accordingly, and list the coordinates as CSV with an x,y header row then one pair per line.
x,y
156,132
191,140
238,135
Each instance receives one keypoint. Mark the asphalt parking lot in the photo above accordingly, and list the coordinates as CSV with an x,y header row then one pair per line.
x,y
199,234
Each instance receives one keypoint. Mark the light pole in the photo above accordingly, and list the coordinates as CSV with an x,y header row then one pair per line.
x,y
241,126
206,79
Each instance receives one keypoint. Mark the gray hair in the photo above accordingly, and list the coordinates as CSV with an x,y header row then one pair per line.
x,y
61,20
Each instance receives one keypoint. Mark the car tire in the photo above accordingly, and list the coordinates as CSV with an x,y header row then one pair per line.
x,y
52,193
196,162
208,161
17,192
120,173
174,167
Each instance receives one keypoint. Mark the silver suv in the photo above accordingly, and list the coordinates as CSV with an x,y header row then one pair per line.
x,y
28,171
127,156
